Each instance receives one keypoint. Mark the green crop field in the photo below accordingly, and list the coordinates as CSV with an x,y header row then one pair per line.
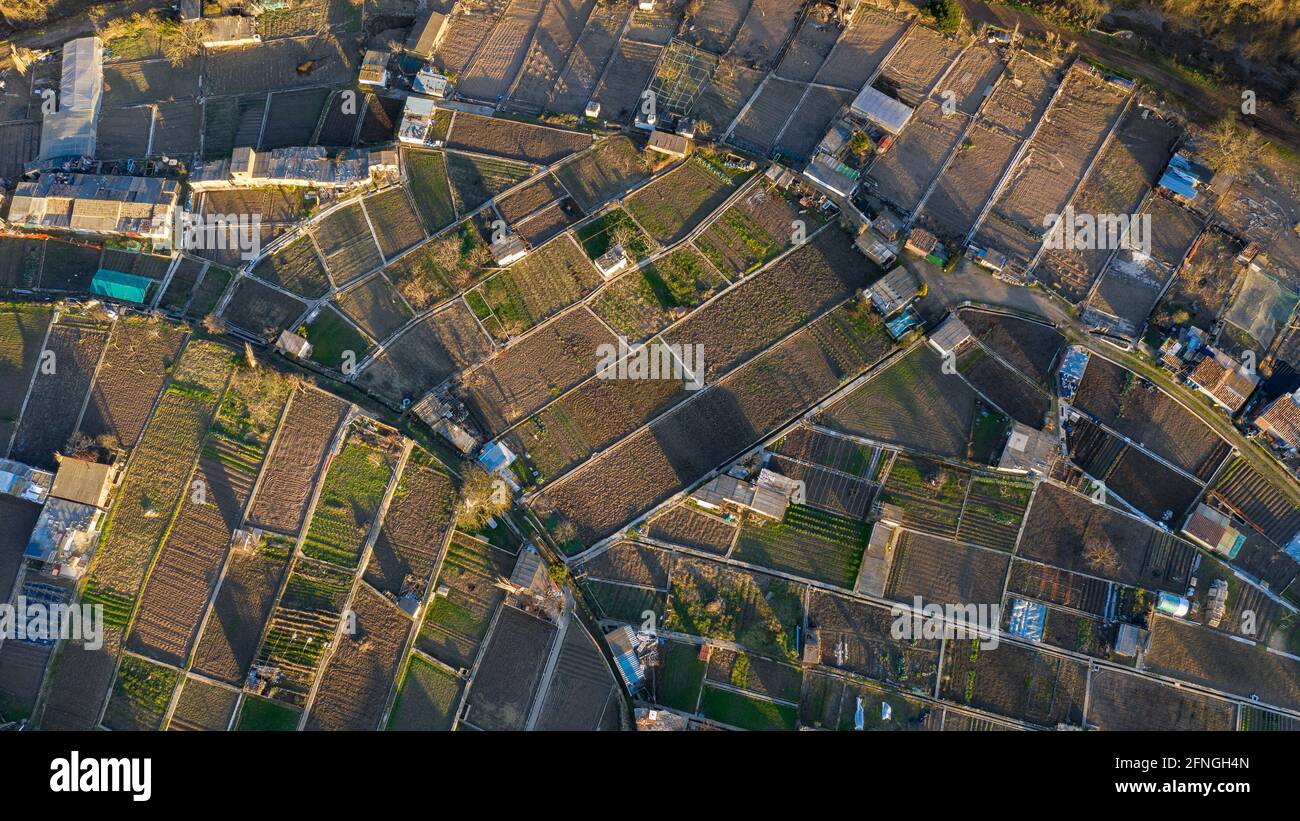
x,y
808,542
349,499
748,713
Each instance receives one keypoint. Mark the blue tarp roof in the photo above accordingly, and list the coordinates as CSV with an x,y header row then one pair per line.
x,y
1027,620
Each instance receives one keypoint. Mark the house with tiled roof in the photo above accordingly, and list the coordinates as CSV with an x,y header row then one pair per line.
x,y
1227,382
1280,421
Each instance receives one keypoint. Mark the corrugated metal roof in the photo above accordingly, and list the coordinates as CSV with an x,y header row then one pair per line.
x,y
882,110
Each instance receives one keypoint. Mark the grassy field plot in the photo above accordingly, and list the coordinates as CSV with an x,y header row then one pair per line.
x,y
263,715
757,611
538,286
456,623
334,339
410,540
808,542
395,222
928,494
675,203
430,189
426,355
758,227
643,302
347,244
428,697
350,495
141,695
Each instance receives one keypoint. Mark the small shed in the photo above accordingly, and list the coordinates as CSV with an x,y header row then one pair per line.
x,y
508,249
374,68
880,109
612,261
672,145
88,483
291,344
427,34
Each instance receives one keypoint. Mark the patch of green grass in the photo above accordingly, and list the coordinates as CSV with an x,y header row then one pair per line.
x,y
597,236
730,707
680,676
427,172
332,337
261,714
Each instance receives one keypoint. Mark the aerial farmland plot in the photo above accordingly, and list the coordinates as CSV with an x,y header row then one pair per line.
x,y
430,189
643,302
682,445
141,695
676,202
559,28
1061,523
861,49
754,674
798,287
681,74
928,494
514,140
68,266
578,79
494,65
967,183
904,174
428,696
758,611
1122,701
529,199
295,267
612,167
233,629
476,179
1206,281
20,143
432,272
809,542
630,563
809,122
291,117
1013,394
916,66
1150,417
180,584
20,262
347,244
22,336
1023,95
426,354
942,572
410,539
302,626
1015,681
729,88
547,223
540,285
715,27
591,417
627,74
1052,585
1211,658
624,602
375,306
993,511
355,683
202,706
1264,506
273,66
758,128
1125,171
817,35
465,34
856,636
767,26
529,373
972,77
1031,348
658,25
510,672
913,404
300,447
582,693
72,351
124,132
455,623
149,81
350,496
394,220
260,309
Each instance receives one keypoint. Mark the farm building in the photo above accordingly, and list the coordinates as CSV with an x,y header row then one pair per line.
x,y
1214,531
427,34
496,458
229,30
672,145
988,258
529,575
882,110
300,165
1280,421
623,644
950,336
97,204
834,177
120,285
374,69
292,345
1224,380
70,131
612,261
508,249
427,81
921,241
1131,640
1028,450
417,117
1184,177
67,531
892,292
769,497
24,481
875,248
464,441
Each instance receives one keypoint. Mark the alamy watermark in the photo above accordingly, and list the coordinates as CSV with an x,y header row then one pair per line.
x,y
216,232
43,622
950,621
1072,231
655,360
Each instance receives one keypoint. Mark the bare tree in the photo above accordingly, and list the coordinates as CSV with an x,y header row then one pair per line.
x,y
482,496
